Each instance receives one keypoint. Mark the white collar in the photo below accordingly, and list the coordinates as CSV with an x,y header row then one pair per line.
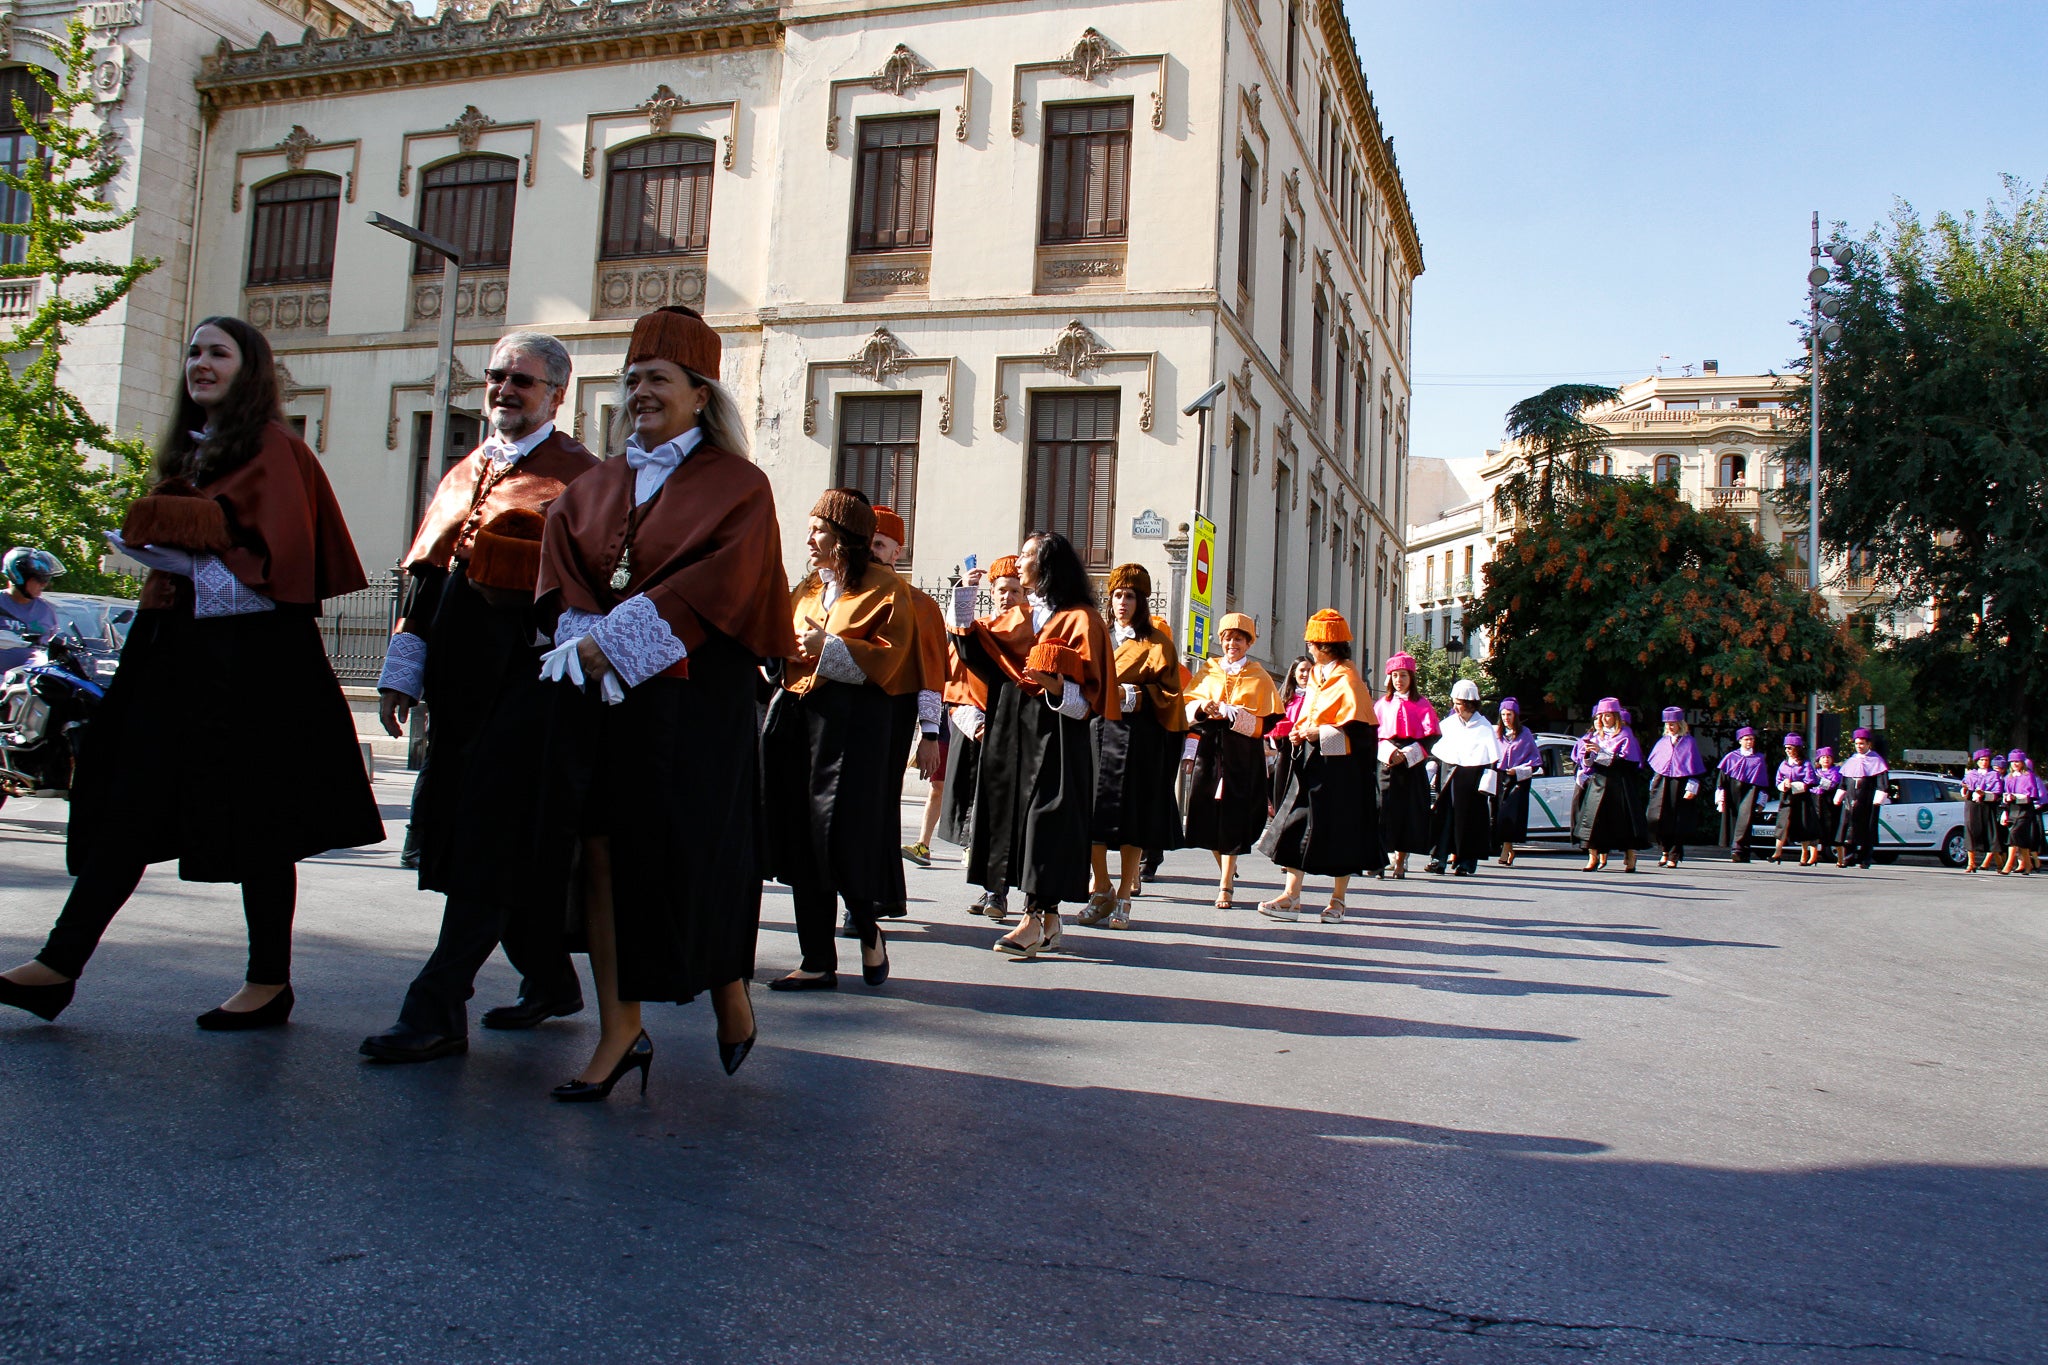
x,y
499,449
1119,634
1041,611
651,468
1231,670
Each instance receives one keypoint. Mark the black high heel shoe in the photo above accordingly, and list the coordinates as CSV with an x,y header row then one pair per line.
x,y
640,1055
44,1002
731,1055
878,973
274,1013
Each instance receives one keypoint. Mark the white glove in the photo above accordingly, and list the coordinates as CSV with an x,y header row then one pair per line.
x,y
561,664
1244,722
1879,797
1692,787
1797,787
1838,797
1130,697
1525,771
1603,758
1331,740
968,720
168,558
1721,801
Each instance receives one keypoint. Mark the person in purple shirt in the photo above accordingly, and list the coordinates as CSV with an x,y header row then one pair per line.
x,y
1610,811
1983,803
1675,771
1798,819
1827,780
2022,799
1863,791
1744,774
1521,762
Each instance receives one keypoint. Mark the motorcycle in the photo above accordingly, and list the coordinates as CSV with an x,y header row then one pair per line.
x,y
43,705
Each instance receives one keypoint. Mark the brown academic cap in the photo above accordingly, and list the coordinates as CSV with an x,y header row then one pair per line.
x,y
678,335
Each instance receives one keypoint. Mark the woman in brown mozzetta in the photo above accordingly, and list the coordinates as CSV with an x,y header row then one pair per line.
x,y
663,571
1137,757
224,741
834,744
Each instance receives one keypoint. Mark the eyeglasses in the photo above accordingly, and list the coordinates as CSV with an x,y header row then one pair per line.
x,y
515,378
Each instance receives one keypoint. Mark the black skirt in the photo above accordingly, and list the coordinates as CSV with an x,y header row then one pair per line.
x,y
1327,821
1858,830
672,777
475,808
1980,825
2023,828
1739,805
1462,818
1611,811
1670,812
1137,762
1404,805
1511,811
225,744
1799,818
963,767
1035,794
1227,795
832,774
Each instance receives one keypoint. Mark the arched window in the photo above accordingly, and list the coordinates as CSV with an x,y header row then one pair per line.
x,y
291,235
1734,471
468,201
1667,470
657,198
16,148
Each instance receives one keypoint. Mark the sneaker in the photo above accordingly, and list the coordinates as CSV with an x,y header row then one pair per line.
x,y
921,854
1097,910
1120,918
1333,914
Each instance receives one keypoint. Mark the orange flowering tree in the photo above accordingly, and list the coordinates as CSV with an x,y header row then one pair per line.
x,y
1626,591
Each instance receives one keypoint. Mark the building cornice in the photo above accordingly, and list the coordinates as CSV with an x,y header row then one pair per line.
x,y
509,39
1379,148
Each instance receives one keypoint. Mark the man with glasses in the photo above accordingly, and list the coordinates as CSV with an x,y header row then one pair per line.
x,y
465,646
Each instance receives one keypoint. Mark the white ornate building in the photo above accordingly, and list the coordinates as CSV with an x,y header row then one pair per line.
x,y
973,257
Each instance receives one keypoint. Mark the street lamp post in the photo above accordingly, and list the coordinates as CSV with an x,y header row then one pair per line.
x,y
444,359
1817,332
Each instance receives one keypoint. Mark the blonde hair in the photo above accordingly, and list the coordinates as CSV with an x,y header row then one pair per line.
x,y
720,421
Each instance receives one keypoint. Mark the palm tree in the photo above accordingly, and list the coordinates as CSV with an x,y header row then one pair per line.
x,y
1557,445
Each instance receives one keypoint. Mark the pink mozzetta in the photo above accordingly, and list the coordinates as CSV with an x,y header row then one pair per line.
x,y
1404,721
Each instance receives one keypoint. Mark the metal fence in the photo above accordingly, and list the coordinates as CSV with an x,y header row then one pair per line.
x,y
356,629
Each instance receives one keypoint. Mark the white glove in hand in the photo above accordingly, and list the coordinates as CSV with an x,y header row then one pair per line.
x,y
561,664
1130,697
168,558
1721,801
1525,771
1603,758
1798,787
1692,787
1838,797
1880,796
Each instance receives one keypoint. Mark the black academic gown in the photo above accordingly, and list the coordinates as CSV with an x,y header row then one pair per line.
x,y
833,760
1739,804
1034,794
1228,793
1671,813
1611,809
1461,821
1327,822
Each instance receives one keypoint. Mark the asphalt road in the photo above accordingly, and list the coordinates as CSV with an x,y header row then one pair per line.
x,y
1725,1114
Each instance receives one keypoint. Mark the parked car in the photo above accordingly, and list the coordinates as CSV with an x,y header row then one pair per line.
x,y
1923,813
1550,791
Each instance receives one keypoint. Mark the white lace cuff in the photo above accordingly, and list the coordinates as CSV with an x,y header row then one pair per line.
x,y
931,713
217,592
1414,753
637,642
968,719
405,666
835,661
1332,741
574,624
1187,750
1129,698
960,608
1195,711
1071,704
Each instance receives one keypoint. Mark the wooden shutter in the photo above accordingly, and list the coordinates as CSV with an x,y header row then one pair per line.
x,y
469,202
1087,172
1072,470
878,453
894,183
658,198
291,235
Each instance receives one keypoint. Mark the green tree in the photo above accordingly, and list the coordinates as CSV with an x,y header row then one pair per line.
x,y
1934,443
64,477
1630,592
1434,675
1557,447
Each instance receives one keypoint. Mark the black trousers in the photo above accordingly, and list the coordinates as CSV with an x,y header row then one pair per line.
x,y
269,899
471,928
814,902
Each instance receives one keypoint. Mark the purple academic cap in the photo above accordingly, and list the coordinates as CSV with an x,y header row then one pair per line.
x,y
1510,704
1674,713
1795,741
1607,706
1824,751
1745,733
1981,753
1861,733
2016,756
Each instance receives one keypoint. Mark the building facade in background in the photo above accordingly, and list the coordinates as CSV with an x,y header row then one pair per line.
x,y
974,258
1725,442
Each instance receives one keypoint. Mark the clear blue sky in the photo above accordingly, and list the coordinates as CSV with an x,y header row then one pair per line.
x,y
1598,185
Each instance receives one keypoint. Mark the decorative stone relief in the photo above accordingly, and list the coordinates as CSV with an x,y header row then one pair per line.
x,y
661,108
469,127
879,356
478,299
287,309
295,145
635,287
902,73
1093,56
1075,349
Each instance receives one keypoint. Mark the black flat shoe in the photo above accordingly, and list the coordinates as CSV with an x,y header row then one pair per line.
x,y
273,1014
878,973
44,1002
1434,866
401,1044
529,1013
828,982
640,1055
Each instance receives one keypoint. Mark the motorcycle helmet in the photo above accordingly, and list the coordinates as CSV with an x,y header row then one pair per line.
x,y
23,562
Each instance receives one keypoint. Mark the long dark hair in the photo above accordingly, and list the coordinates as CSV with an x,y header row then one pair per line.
x,y
252,404
1062,579
856,550
1293,670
